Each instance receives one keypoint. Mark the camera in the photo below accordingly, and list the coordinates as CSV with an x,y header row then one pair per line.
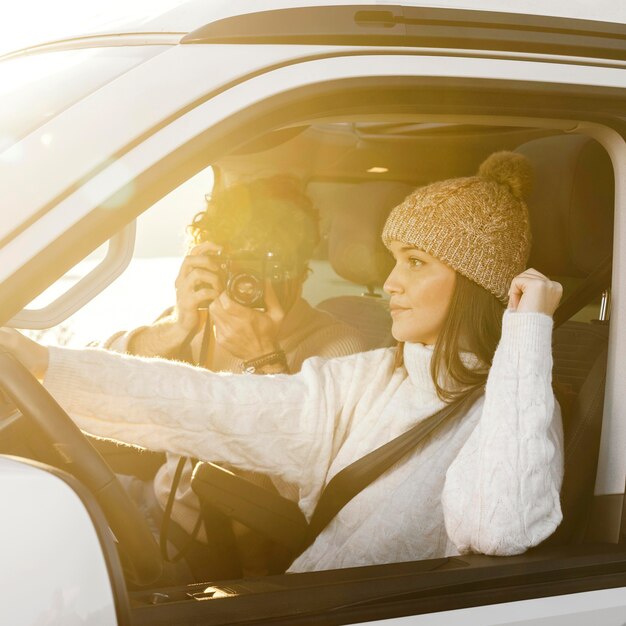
x,y
244,275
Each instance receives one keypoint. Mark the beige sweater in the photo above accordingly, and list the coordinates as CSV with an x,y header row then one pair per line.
x,y
488,482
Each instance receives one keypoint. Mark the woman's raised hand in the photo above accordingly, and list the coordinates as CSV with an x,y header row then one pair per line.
x,y
531,291
31,354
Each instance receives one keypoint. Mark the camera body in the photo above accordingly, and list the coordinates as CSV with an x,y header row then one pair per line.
x,y
244,276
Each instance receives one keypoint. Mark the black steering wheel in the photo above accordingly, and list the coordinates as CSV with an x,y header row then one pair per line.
x,y
143,562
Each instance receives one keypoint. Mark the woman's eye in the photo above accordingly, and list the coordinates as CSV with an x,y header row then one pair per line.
x,y
415,262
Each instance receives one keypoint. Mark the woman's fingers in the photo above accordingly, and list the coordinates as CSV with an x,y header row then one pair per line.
x,y
531,291
206,247
193,263
8,340
199,277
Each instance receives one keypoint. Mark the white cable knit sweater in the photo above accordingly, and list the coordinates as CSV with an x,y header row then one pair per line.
x,y
488,482
304,332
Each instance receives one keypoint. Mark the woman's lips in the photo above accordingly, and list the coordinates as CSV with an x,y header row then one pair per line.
x,y
396,310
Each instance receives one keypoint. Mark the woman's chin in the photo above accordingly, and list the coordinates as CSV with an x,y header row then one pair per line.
x,y
402,334
408,335
397,336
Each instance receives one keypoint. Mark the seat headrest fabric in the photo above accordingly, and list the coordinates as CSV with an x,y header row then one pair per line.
x,y
571,204
355,247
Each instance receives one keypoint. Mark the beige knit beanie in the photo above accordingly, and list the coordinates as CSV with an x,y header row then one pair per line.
x,y
476,225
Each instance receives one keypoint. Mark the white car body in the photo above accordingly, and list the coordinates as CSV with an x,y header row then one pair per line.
x,y
124,127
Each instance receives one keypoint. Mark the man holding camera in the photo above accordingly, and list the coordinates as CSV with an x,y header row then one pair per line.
x,y
238,309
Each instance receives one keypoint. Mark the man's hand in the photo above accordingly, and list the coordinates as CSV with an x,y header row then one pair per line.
x,y
31,354
247,333
531,291
198,282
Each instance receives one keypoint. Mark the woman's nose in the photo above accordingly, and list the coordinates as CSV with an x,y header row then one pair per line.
x,y
392,284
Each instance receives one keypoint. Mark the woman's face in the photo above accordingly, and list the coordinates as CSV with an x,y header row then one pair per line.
x,y
421,289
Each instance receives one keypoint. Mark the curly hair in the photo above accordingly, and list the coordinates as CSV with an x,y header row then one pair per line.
x,y
267,214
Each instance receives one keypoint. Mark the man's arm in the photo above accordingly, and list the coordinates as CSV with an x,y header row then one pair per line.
x,y
197,284
159,340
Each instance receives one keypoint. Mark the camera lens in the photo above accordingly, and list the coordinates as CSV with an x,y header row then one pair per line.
x,y
245,289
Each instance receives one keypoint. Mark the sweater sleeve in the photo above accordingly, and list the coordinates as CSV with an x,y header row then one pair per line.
x,y
279,425
120,341
501,494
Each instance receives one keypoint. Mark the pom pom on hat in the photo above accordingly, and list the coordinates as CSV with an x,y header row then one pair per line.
x,y
510,169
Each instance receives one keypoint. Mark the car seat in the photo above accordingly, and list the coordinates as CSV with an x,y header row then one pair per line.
x,y
356,253
571,213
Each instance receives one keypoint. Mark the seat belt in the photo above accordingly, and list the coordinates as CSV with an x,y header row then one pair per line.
x,y
593,285
185,355
352,479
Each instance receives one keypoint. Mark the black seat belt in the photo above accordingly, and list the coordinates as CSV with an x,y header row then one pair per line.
x,y
593,285
358,475
282,519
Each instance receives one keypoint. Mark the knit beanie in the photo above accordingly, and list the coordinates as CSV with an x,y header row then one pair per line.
x,y
477,225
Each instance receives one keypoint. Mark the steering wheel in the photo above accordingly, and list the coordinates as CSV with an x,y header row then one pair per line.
x,y
144,562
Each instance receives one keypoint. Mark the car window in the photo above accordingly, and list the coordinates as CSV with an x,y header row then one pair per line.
x,y
146,287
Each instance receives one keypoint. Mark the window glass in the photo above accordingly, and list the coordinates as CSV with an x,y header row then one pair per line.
x,y
146,287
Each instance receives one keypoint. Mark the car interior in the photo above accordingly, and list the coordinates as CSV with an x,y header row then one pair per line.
x,y
571,209
355,171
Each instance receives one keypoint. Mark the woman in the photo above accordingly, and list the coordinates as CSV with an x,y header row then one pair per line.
x,y
487,481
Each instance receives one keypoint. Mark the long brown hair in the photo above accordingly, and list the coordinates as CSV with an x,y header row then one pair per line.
x,y
473,324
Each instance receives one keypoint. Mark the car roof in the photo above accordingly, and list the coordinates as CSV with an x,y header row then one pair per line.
x,y
185,16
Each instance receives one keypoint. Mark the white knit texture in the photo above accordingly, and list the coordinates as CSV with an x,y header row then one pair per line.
x,y
305,331
488,482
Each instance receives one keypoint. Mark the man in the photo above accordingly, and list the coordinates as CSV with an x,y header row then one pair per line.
x,y
238,309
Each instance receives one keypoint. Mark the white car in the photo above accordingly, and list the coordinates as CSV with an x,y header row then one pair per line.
x,y
110,133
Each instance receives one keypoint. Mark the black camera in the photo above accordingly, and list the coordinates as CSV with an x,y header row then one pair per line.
x,y
244,275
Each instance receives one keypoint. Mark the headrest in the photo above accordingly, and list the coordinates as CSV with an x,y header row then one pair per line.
x,y
571,204
359,211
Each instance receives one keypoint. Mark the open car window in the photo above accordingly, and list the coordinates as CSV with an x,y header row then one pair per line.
x,y
359,180
146,286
